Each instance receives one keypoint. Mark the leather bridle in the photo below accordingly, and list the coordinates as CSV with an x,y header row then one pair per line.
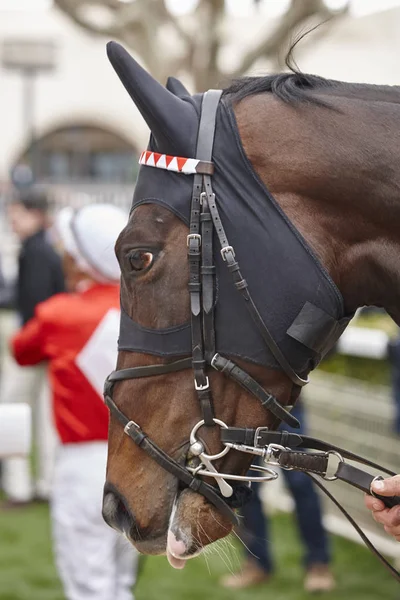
x,y
275,448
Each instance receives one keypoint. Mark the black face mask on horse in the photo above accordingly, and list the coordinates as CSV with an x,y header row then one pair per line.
x,y
278,308
294,295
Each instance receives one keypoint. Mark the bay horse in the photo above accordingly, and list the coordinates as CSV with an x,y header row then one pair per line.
x,y
302,173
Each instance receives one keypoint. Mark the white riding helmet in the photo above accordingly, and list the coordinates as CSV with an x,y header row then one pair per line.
x,y
89,235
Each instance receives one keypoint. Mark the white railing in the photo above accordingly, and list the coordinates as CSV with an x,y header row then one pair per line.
x,y
364,342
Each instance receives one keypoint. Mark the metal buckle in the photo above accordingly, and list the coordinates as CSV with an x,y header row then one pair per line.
x,y
199,388
225,250
193,236
257,435
214,358
129,425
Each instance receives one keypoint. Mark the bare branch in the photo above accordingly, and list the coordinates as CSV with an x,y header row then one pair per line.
x,y
169,44
71,8
298,13
209,15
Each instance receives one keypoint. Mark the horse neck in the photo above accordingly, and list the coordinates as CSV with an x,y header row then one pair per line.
x,y
337,177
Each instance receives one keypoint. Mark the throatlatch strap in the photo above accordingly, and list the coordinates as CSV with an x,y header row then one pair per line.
x,y
230,369
228,254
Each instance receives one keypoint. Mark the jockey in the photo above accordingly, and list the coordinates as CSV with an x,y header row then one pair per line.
x,y
77,334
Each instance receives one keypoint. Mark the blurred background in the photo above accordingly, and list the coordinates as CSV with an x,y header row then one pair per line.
x,y
67,126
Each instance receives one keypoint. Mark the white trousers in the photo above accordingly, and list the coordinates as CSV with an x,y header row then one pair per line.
x,y
93,560
30,385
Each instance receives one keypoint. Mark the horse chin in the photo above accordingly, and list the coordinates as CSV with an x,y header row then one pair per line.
x,y
149,547
194,524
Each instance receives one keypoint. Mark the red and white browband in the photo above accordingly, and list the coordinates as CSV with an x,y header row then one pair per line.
x,y
188,166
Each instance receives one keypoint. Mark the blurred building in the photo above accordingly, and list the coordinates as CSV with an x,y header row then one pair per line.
x,y
87,127
85,123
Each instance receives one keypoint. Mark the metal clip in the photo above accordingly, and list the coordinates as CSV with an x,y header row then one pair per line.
x,y
247,449
271,454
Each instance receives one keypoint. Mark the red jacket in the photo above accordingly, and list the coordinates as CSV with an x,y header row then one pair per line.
x,y
60,329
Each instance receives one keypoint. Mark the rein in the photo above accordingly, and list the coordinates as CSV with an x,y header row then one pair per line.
x,y
282,449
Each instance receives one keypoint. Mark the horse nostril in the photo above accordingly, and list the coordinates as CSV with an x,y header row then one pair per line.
x,y
116,512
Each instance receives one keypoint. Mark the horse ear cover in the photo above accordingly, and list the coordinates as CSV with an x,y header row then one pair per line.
x,y
170,115
176,87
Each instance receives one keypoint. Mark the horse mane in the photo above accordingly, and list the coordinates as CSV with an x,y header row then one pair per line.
x,y
297,87
289,87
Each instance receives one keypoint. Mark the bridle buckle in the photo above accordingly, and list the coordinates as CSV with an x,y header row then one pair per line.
x,y
224,251
129,426
257,435
194,237
200,387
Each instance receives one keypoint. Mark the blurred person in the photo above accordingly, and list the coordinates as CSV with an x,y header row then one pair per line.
x,y
40,273
388,517
39,277
94,562
258,565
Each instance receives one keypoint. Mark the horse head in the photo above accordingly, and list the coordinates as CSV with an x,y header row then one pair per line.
x,y
229,296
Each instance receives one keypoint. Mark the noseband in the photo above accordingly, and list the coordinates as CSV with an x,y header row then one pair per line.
x,y
275,448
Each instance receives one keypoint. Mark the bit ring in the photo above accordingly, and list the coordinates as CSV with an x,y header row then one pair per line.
x,y
193,439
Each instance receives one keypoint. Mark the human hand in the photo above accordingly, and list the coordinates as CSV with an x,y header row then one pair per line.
x,y
388,517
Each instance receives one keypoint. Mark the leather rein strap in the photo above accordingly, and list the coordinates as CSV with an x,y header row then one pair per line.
x,y
285,450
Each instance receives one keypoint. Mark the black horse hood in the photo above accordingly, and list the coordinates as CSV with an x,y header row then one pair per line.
x,y
298,301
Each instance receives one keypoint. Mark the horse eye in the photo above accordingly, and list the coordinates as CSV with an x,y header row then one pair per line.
x,y
140,260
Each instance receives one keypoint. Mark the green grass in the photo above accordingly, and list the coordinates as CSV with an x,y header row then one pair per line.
x,y
27,570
